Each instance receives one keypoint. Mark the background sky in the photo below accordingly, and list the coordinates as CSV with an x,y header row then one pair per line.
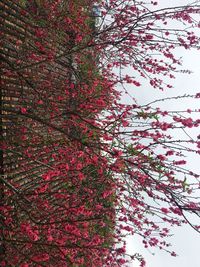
x,y
186,242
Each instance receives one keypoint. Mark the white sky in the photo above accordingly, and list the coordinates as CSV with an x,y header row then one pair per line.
x,y
186,242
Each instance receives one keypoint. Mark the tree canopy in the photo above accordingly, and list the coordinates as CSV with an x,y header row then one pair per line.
x,y
81,169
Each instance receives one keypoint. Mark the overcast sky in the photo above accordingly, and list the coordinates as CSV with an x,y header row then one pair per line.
x,y
186,242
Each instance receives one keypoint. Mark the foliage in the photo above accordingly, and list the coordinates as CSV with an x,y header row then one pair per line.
x,y
90,170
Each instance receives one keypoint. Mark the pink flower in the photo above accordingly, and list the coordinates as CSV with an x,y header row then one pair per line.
x,y
136,83
66,167
46,177
121,250
81,176
161,157
23,110
173,254
72,86
68,20
50,238
125,123
149,36
33,236
41,257
180,162
39,33
197,95
40,102
164,210
169,153
79,38
43,188
79,166
198,144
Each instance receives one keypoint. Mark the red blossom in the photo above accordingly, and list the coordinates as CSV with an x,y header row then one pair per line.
x,y
85,169
164,210
41,257
23,110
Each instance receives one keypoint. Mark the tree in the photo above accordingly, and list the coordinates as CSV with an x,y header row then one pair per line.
x,y
88,169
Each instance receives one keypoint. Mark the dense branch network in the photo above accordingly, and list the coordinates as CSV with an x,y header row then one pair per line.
x,y
82,170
